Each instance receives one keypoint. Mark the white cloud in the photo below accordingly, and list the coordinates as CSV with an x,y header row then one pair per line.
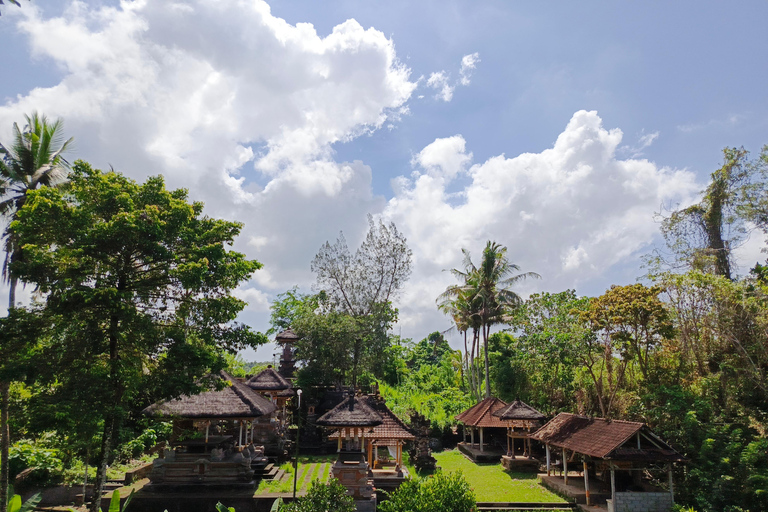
x,y
440,81
468,64
444,158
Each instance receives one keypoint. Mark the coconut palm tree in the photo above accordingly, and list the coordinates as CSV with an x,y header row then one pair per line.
x,y
33,160
492,283
486,294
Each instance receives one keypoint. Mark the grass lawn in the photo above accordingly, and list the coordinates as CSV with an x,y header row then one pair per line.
x,y
311,467
491,483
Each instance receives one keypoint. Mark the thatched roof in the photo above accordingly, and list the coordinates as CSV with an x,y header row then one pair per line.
x,y
287,336
481,414
519,410
235,400
391,427
352,412
268,380
605,439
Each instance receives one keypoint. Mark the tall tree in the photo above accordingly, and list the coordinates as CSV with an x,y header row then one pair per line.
x,y
140,282
34,159
488,289
375,274
704,235
361,286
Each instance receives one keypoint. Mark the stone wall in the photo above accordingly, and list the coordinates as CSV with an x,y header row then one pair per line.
x,y
641,502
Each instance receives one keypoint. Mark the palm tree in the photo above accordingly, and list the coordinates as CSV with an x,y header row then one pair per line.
x,y
492,282
33,160
486,294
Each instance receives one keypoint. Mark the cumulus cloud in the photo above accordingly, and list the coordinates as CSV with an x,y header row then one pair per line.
x,y
570,213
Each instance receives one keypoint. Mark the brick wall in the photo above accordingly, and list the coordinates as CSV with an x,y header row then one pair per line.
x,y
641,502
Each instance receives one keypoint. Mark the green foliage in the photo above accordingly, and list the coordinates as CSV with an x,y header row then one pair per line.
x,y
15,504
221,508
322,498
138,284
114,503
441,492
27,453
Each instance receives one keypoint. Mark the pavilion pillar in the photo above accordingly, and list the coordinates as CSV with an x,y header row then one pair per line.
x,y
399,452
671,486
240,437
481,439
207,427
586,482
508,434
548,464
370,453
472,436
565,467
338,449
613,485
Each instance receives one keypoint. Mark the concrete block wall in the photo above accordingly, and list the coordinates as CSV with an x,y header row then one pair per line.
x,y
641,502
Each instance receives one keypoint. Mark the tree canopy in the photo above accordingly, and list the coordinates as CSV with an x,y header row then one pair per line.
x,y
138,282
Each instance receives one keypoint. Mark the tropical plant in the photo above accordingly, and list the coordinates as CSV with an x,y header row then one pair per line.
x,y
33,160
15,504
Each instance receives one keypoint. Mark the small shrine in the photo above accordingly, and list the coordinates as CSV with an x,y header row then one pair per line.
x,y
521,420
421,453
353,418
274,387
223,452
287,339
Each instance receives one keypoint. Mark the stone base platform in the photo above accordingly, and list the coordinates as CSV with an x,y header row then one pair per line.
x,y
598,492
520,464
488,454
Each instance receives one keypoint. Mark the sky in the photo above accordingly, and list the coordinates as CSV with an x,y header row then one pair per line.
x,y
557,129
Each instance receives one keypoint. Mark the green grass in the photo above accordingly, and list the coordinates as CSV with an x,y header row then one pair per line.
x,y
491,483
311,467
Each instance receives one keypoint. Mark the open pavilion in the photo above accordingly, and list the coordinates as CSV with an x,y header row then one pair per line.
x,y
612,456
479,420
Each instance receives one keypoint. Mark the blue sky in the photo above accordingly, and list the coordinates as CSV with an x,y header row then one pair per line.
x,y
557,129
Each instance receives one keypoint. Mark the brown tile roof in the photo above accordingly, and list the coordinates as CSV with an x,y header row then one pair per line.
x,y
352,412
481,414
235,400
519,410
601,438
268,380
392,427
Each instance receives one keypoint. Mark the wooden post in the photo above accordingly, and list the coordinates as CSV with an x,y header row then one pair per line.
x,y
252,422
338,449
472,437
370,453
481,439
240,437
548,466
565,468
207,426
513,455
671,487
586,482
613,486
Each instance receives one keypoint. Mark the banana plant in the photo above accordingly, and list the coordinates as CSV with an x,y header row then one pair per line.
x,y
15,504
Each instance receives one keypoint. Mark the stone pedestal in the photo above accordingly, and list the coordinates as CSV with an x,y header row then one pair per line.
x,y
352,471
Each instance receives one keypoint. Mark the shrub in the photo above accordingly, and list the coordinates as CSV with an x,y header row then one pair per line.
x,y
323,498
442,492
